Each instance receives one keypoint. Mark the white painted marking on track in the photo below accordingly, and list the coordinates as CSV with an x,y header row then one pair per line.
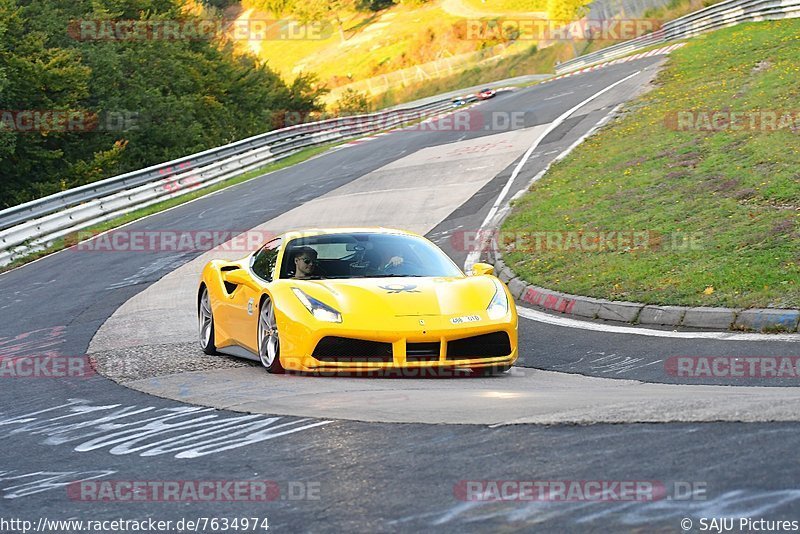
x,y
559,95
32,483
185,432
566,322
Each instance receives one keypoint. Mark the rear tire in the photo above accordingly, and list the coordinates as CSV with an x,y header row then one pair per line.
x,y
269,344
205,319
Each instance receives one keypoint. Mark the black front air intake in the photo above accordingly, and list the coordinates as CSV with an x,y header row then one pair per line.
x,y
483,346
343,349
423,352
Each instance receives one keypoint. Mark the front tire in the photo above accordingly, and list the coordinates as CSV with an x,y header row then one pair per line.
x,y
269,344
205,319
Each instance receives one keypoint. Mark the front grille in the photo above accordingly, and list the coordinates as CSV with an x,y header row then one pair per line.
x,y
483,346
422,351
343,349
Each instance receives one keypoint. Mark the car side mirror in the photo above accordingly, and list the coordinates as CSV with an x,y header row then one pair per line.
x,y
239,277
482,268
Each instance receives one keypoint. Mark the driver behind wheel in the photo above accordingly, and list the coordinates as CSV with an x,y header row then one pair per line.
x,y
305,262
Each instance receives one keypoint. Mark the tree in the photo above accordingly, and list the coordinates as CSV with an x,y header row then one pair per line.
x,y
351,102
186,95
324,11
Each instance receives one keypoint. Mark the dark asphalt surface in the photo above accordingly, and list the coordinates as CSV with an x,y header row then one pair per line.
x,y
371,477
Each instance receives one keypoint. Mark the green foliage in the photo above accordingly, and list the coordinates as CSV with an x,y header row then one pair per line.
x,y
186,95
374,5
350,102
564,10
325,11
219,4
276,7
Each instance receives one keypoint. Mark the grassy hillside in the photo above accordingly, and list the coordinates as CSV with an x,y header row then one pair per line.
x,y
412,51
377,44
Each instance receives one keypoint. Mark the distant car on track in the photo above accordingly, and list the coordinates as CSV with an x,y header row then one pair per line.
x,y
353,300
486,94
457,102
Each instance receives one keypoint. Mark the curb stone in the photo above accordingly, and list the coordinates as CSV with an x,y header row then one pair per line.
x,y
619,311
702,317
662,315
768,319
763,319
587,307
517,286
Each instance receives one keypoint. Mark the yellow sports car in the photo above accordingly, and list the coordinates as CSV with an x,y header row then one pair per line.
x,y
351,300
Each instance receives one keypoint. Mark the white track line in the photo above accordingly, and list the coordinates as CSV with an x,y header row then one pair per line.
x,y
566,322
474,256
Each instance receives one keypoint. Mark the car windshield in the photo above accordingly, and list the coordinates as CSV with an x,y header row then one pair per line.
x,y
364,255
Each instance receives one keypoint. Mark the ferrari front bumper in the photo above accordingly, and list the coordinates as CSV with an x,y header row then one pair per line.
x,y
416,342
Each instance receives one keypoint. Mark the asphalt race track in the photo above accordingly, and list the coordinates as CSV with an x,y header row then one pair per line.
x,y
733,445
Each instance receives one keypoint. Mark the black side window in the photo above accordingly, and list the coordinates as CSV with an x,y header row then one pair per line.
x,y
264,260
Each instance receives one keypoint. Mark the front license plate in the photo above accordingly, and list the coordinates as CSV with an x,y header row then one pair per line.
x,y
465,319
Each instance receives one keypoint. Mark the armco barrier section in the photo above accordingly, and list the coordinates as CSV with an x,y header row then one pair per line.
x,y
32,225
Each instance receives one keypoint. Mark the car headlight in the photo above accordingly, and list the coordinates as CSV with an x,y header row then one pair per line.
x,y
318,309
498,307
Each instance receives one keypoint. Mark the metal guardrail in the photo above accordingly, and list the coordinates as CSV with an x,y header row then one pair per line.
x,y
727,13
64,199
32,225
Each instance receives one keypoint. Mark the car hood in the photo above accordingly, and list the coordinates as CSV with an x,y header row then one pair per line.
x,y
406,296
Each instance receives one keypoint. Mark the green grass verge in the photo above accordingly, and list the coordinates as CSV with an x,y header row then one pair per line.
x,y
71,239
736,192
